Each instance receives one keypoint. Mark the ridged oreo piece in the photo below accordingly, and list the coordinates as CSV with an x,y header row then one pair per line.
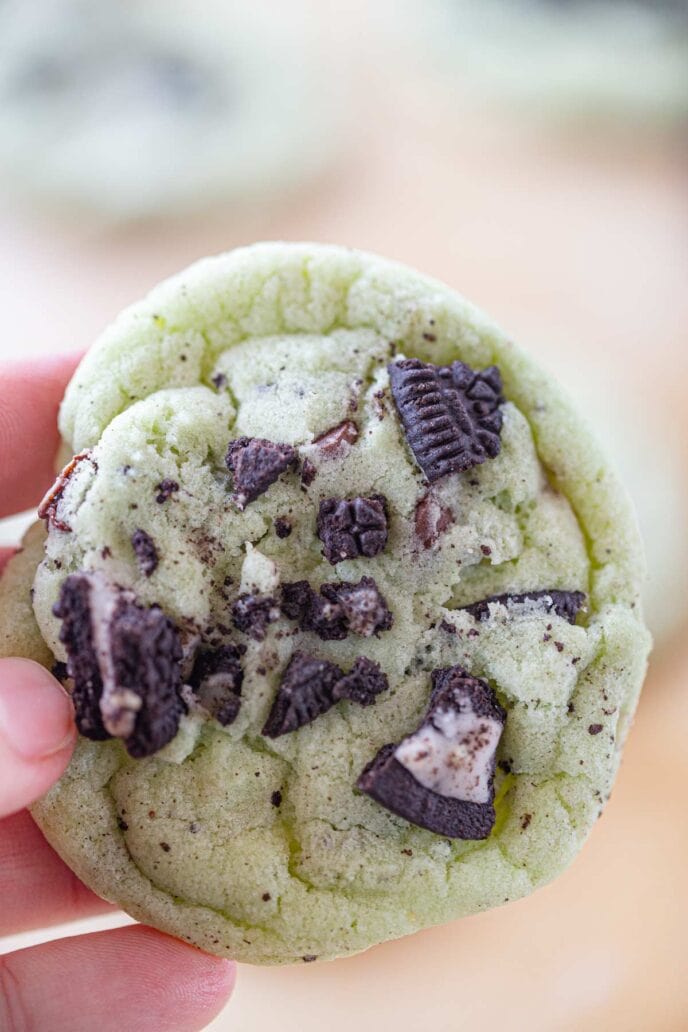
x,y
124,660
566,604
441,777
304,694
352,527
450,414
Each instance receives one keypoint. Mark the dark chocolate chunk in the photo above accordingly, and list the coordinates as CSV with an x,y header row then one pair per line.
x,y
253,613
255,464
283,527
338,440
166,488
565,604
431,520
305,692
364,609
441,777
216,680
340,607
124,660
49,508
145,551
450,414
308,473
362,684
350,527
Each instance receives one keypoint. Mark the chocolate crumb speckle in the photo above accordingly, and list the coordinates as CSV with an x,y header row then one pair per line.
x,y
276,798
308,473
283,527
122,825
266,897
309,958
165,846
526,818
407,852
145,551
559,645
594,729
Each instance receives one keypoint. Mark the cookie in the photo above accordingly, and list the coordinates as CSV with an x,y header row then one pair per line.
x,y
360,638
127,111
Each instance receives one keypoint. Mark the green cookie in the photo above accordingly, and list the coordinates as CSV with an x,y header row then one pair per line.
x,y
247,627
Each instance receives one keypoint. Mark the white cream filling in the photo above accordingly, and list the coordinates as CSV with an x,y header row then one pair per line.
x,y
453,754
118,706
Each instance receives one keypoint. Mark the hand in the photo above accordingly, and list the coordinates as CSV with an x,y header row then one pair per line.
x,y
129,978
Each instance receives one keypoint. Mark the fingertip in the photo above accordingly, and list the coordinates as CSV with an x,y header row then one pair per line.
x,y
37,732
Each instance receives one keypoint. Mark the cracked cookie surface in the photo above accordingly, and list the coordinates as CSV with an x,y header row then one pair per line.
x,y
260,847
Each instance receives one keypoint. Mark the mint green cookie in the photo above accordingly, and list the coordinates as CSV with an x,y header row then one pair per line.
x,y
247,834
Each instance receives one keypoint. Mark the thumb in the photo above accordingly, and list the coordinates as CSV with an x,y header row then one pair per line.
x,y
37,732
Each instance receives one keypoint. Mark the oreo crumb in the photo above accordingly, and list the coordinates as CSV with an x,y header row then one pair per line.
x,y
252,615
166,488
559,646
124,660
463,710
451,415
505,765
352,527
525,820
283,527
165,846
312,611
432,519
255,464
219,380
362,684
309,958
59,671
49,507
145,551
216,681
565,604
407,852
335,442
122,824
304,693
266,897
276,798
308,473
594,729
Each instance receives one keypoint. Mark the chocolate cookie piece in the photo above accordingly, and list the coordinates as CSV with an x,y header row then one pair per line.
x,y
313,612
165,489
49,507
335,442
283,527
216,680
566,604
145,551
351,527
432,519
450,414
441,777
341,607
305,692
124,659
255,464
364,609
252,614
362,684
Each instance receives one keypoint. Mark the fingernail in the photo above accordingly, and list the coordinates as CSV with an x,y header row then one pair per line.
x,y
36,716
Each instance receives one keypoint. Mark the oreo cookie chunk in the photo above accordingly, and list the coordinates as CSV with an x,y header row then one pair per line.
x,y
252,614
566,604
49,507
145,551
352,527
255,464
216,681
305,692
362,684
124,660
441,777
340,608
450,414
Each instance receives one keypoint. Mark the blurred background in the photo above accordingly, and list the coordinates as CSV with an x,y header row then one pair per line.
x,y
531,153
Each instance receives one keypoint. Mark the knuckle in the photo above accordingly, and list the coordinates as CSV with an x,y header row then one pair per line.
x,y
14,1012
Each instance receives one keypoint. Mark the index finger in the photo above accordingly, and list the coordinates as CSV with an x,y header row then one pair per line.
x,y
30,395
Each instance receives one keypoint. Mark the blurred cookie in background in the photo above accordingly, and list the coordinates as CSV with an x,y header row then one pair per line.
x,y
621,61
133,110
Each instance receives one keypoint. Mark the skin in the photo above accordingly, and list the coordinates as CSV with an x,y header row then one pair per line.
x,y
133,977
